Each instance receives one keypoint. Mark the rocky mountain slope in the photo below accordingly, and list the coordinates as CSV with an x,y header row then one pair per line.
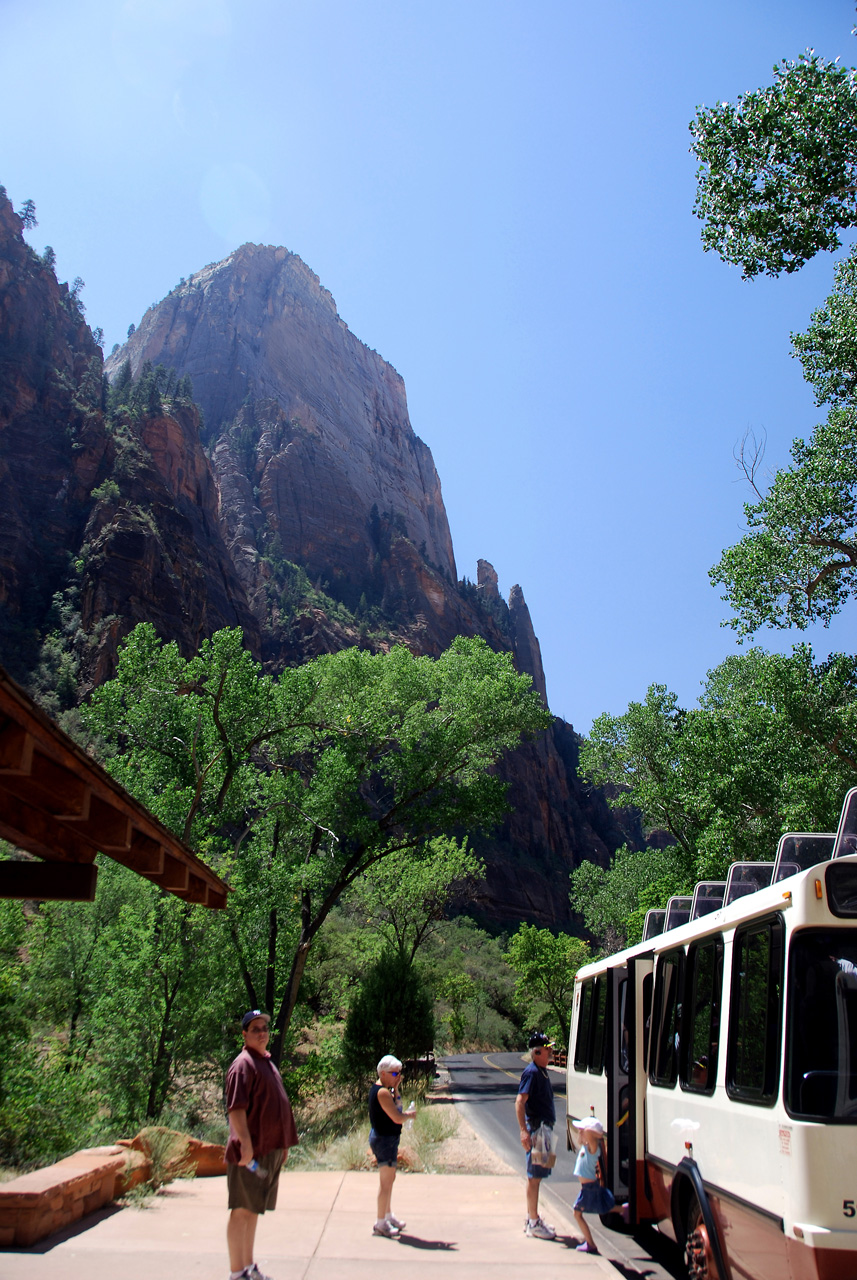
x,y
301,507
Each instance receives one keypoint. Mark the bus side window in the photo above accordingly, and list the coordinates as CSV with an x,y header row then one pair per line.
x,y
667,1018
599,1026
756,1012
581,1045
701,1030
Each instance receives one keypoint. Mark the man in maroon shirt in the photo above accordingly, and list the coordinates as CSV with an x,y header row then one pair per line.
x,y
261,1130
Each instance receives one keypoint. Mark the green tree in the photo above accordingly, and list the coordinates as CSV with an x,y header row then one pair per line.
x,y
296,787
828,349
640,752
770,747
798,562
613,900
406,896
27,214
778,169
457,989
391,1013
546,965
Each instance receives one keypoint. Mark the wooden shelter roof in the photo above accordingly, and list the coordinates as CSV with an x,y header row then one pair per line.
x,y
58,803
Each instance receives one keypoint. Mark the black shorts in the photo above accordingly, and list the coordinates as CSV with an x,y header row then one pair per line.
x,y
385,1147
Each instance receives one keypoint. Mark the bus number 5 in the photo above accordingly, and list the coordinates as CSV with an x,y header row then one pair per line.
x,y
848,1208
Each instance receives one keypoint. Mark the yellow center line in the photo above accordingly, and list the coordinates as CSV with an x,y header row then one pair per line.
x,y
511,1074
489,1063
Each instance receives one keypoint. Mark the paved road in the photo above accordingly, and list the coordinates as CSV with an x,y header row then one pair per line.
x,y
484,1087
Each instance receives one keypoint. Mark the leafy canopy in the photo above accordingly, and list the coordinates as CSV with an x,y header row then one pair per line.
x,y
294,787
770,747
546,965
778,169
406,896
798,562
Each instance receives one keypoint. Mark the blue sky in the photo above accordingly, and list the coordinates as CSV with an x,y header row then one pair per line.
x,y
498,196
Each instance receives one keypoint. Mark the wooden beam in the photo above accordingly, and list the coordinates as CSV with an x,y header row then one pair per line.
x,y
48,881
50,786
195,891
105,826
146,856
40,833
174,876
16,748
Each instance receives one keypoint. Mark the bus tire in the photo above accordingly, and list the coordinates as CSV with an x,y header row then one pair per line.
x,y
699,1257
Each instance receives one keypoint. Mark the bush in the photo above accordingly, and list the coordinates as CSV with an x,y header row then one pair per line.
x,y
392,1013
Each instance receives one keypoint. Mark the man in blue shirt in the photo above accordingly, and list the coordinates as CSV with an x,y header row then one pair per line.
x,y
534,1106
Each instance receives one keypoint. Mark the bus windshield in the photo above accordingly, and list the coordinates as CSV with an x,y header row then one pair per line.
x,y
821,1048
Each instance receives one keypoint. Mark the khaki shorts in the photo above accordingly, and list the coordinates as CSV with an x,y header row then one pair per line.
x,y
250,1191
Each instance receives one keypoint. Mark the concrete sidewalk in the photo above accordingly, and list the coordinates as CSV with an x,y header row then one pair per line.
x,y
322,1230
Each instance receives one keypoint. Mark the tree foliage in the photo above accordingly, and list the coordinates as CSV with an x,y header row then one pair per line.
x,y
392,1013
614,900
798,562
27,214
295,787
777,179
546,965
828,349
770,747
407,895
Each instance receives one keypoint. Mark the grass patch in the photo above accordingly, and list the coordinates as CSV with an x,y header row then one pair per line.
x,y
334,1132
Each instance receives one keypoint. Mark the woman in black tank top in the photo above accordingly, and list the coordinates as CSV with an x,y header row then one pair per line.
x,y
385,1116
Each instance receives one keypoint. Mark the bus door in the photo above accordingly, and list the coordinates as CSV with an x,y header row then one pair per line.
x,y
618,1065
637,1021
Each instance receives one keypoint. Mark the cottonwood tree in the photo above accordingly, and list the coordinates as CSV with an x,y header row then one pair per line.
x,y
771,746
777,180
295,787
406,896
546,965
797,564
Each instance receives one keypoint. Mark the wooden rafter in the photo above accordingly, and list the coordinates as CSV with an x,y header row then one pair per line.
x,y
59,804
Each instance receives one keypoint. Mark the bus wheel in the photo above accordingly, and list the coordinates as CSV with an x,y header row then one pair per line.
x,y
698,1254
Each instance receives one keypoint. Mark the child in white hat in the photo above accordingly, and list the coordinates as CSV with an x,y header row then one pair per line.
x,y
593,1197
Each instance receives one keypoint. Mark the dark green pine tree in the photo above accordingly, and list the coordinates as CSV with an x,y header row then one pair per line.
x,y
393,1012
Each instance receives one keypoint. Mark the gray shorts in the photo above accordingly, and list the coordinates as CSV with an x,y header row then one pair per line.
x,y
248,1190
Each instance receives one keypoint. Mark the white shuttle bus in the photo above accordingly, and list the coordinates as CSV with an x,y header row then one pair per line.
x,y
721,1055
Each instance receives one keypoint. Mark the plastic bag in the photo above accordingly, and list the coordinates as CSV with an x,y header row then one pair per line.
x,y
543,1150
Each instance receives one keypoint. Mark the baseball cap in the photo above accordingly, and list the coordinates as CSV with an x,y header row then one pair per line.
x,y
589,1122
251,1014
538,1040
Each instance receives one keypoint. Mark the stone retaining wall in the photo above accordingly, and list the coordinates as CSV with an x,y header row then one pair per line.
x,y
39,1203
46,1200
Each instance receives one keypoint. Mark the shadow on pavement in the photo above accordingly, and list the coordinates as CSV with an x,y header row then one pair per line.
x,y
69,1232
416,1242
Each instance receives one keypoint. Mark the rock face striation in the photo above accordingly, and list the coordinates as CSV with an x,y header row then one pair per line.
x,y
300,506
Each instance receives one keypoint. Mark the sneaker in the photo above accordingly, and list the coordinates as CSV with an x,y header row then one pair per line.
x,y
396,1222
586,1248
547,1225
253,1273
539,1230
385,1228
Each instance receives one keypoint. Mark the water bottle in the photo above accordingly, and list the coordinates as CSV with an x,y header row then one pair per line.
x,y
256,1168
